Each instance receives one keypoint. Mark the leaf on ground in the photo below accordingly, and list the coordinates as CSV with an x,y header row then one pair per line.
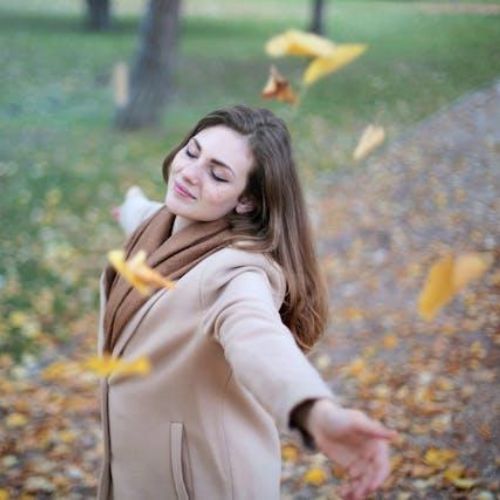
x,y
315,476
438,458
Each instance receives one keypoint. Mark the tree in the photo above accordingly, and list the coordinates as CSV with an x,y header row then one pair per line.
x,y
98,15
150,77
318,17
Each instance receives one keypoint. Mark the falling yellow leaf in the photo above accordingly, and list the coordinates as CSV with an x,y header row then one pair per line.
x,y
438,289
4,494
469,267
278,87
447,277
371,138
289,453
137,272
315,476
15,420
107,365
438,458
338,58
299,43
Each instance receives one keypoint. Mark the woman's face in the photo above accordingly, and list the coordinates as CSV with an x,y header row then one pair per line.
x,y
209,174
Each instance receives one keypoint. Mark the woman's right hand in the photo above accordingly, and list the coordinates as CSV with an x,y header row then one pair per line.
x,y
131,192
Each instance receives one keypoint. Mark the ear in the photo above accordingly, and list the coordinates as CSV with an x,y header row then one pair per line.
x,y
245,205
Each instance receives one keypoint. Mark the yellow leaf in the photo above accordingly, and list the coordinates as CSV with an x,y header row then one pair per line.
x,y
469,267
315,476
355,367
17,318
339,57
140,366
4,494
371,138
454,476
390,341
438,458
107,365
278,87
67,436
299,43
16,420
137,272
448,276
438,289
289,453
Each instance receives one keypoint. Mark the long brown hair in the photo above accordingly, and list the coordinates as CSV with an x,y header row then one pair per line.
x,y
279,224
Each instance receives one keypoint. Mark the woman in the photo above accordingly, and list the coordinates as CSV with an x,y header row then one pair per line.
x,y
227,343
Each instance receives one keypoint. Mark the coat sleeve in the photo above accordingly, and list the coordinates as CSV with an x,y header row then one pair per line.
x,y
135,209
242,306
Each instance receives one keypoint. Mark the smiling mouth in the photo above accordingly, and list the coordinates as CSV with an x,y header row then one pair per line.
x,y
182,191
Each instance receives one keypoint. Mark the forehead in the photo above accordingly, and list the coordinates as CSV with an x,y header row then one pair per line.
x,y
226,145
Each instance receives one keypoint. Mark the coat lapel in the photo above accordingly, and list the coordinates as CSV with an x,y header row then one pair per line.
x,y
131,326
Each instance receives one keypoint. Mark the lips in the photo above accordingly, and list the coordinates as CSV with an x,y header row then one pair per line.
x,y
183,191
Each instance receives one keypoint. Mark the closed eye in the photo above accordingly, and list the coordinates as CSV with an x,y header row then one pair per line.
x,y
217,178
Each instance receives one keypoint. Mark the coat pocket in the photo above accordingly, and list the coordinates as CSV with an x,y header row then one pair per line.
x,y
176,459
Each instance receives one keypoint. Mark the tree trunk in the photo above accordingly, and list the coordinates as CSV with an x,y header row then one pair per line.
x,y
150,78
318,17
98,15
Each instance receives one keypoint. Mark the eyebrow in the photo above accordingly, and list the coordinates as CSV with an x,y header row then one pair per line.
x,y
213,160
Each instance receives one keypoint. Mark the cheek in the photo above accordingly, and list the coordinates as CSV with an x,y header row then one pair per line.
x,y
221,196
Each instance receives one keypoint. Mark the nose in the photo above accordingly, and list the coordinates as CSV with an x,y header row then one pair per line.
x,y
190,173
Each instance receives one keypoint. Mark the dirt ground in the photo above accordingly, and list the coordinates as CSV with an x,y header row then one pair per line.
x,y
431,191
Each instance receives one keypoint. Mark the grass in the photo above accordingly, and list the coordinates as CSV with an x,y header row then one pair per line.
x,y
62,166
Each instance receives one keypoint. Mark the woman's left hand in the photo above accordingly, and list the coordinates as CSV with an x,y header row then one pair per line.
x,y
355,442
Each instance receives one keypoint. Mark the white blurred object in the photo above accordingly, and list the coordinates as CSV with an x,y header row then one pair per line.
x,y
120,84
136,208
372,137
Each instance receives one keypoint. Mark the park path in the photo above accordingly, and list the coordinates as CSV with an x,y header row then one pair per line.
x,y
433,189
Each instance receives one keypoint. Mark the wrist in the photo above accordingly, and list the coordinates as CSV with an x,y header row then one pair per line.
x,y
318,414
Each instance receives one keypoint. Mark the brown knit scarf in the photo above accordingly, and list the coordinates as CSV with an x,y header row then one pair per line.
x,y
170,255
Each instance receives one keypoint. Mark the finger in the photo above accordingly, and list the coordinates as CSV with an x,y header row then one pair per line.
x,y
372,428
357,468
363,484
382,467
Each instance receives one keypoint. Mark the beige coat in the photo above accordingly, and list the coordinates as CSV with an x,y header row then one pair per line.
x,y
226,374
